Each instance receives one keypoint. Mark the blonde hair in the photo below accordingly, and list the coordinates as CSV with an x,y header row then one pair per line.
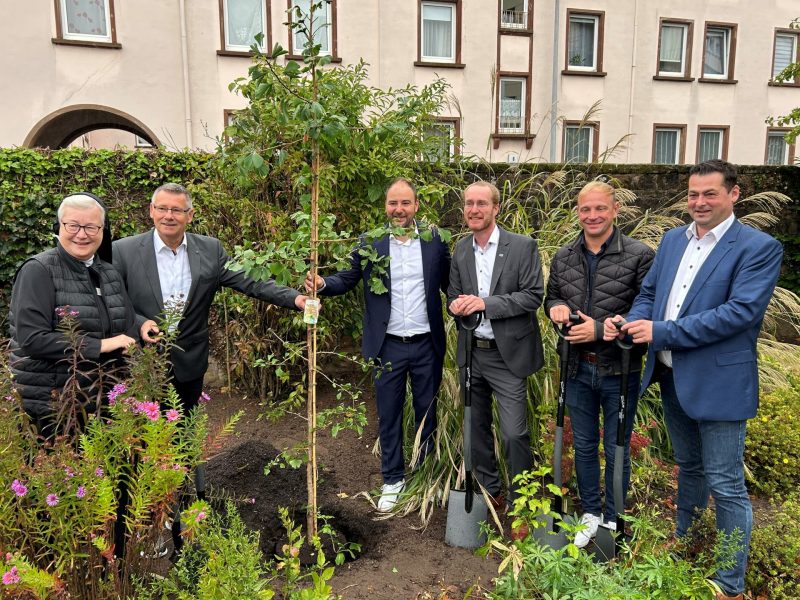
x,y
598,186
492,187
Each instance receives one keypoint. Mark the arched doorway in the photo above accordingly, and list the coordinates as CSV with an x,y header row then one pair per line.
x,y
62,127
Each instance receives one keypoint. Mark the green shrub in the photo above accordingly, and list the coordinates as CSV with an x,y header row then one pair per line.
x,y
774,567
772,450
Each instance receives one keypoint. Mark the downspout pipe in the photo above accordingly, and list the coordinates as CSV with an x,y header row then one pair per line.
x,y
554,88
187,97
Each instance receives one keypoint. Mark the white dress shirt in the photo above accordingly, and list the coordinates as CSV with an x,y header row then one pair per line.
x,y
484,266
694,256
409,314
174,273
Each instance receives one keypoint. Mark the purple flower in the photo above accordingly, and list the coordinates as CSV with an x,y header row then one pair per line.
x,y
19,488
118,389
11,577
73,313
69,471
149,409
204,398
173,415
81,492
52,499
99,472
10,398
61,311
200,516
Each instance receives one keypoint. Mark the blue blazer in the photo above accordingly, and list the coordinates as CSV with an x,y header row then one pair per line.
x,y
713,340
436,273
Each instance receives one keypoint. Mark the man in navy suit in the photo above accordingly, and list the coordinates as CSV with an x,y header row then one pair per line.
x,y
403,329
700,308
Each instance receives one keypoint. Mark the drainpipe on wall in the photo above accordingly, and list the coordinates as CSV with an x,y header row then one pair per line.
x,y
554,90
633,80
187,99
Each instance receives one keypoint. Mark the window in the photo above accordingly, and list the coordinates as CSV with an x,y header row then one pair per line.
x,y
719,52
669,144
584,43
785,52
85,21
241,21
514,15
442,136
580,141
140,142
712,142
779,151
323,28
439,34
512,105
675,49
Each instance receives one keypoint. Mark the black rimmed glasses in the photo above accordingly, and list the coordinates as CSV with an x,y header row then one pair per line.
x,y
163,210
74,228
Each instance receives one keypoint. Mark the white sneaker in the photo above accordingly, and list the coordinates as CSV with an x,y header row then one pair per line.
x,y
389,494
590,523
610,525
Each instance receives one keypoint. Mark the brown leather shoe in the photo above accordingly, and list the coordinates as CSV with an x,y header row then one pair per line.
x,y
721,596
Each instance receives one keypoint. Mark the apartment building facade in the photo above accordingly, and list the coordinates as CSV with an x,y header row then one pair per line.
x,y
675,81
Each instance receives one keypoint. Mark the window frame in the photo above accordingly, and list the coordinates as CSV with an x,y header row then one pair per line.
x,y
72,39
599,42
525,29
523,105
724,140
686,73
680,147
731,57
455,123
790,148
594,145
783,31
296,53
225,50
457,29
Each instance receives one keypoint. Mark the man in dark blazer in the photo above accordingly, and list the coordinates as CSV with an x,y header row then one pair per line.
x,y
167,266
499,274
403,329
700,308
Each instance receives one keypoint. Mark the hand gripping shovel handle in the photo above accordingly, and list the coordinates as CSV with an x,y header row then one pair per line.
x,y
622,427
558,444
469,327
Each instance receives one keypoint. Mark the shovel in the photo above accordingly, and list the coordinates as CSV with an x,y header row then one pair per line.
x,y
463,529
608,542
551,533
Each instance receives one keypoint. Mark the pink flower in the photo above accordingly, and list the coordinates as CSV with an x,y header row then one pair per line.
x,y
204,398
69,471
81,492
61,311
11,577
118,389
19,488
173,415
176,467
151,410
10,398
200,516
99,472
52,499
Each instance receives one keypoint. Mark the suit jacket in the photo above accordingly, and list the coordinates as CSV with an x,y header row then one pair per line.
x,y
713,340
135,259
515,294
435,272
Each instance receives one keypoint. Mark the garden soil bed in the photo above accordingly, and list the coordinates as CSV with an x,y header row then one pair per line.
x,y
399,559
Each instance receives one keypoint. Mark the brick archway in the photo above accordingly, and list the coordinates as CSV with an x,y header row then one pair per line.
x,y
62,127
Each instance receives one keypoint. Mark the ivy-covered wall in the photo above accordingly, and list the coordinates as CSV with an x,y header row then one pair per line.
x,y
32,183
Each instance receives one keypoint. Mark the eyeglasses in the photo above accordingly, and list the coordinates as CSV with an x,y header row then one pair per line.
x,y
163,210
73,228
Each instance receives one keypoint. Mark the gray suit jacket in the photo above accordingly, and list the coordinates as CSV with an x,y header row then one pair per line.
x,y
135,259
516,293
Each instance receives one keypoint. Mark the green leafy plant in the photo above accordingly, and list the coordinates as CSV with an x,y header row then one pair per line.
x,y
774,561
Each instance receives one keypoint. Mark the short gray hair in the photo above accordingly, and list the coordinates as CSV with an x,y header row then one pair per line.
x,y
173,188
82,202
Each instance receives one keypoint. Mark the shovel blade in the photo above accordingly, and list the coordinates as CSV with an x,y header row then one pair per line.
x,y
463,526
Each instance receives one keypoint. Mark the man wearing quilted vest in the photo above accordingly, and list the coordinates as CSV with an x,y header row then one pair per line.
x,y
596,276
75,279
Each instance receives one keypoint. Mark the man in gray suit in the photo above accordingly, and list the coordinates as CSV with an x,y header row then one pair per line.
x,y
167,266
499,274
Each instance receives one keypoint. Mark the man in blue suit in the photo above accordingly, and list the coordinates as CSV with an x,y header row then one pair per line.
x,y
700,308
403,329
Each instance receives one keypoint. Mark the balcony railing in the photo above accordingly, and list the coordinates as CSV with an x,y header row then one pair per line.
x,y
514,19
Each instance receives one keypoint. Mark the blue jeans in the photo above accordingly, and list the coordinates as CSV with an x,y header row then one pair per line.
x,y
587,394
710,460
